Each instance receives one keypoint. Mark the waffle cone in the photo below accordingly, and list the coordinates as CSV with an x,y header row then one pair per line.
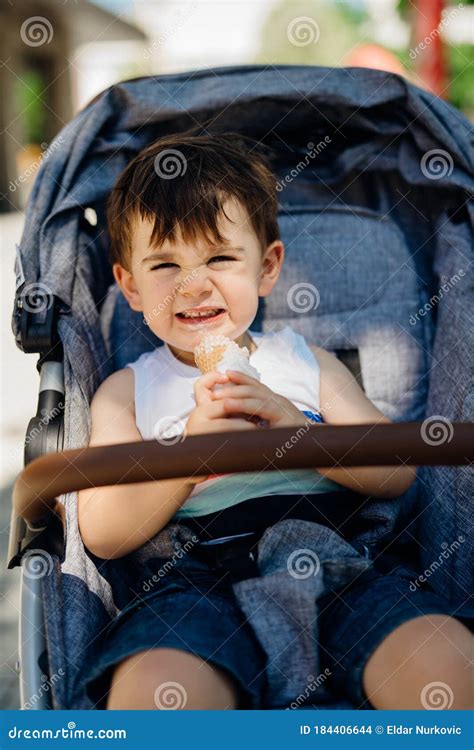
x,y
207,361
212,348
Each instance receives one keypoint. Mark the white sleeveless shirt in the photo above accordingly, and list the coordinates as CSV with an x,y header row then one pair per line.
x,y
164,399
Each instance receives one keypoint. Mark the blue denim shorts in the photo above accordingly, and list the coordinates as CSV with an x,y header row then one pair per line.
x,y
354,620
192,607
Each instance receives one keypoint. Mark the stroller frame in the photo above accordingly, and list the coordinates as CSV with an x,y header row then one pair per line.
x,y
28,539
24,539
38,522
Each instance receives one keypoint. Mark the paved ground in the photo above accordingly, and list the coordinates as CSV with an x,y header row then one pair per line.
x,y
19,389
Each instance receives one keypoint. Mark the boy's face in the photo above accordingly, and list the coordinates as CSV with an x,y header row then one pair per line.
x,y
230,278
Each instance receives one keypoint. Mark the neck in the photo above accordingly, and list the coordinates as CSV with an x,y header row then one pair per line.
x,y
250,344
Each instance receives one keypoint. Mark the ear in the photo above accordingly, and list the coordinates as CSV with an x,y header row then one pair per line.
x,y
272,263
128,286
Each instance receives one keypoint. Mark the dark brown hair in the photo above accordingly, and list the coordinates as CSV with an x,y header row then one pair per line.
x,y
184,179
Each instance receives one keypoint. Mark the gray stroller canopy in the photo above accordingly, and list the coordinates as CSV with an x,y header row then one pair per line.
x,y
378,220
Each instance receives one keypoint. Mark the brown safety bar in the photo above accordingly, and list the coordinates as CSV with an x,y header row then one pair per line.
x,y
314,446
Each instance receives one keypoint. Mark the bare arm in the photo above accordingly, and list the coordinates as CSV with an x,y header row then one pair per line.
x,y
344,402
115,520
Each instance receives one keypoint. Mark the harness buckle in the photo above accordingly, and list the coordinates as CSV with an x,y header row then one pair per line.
x,y
238,557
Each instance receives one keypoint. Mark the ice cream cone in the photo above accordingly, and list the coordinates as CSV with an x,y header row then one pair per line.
x,y
217,352
211,350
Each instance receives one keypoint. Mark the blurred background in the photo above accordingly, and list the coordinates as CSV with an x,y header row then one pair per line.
x,y
57,55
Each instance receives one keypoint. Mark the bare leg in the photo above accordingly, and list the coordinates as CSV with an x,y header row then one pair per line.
x,y
425,663
170,679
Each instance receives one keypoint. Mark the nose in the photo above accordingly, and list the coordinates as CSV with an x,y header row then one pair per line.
x,y
194,280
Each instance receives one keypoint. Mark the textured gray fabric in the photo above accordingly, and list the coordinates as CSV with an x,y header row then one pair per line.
x,y
298,561
380,128
447,492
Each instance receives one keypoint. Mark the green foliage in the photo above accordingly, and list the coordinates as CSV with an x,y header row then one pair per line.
x,y
332,26
337,27
460,66
461,70
29,97
406,6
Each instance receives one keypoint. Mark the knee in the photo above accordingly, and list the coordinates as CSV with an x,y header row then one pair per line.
x,y
441,654
170,679
441,660
182,680
424,663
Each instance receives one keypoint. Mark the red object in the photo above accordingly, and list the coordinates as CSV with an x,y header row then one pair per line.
x,y
428,48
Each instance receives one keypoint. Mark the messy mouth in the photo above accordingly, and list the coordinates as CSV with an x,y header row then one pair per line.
x,y
200,317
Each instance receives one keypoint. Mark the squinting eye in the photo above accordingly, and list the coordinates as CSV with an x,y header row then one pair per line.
x,y
162,265
221,257
171,265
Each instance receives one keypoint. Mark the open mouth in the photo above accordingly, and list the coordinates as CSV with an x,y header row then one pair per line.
x,y
204,317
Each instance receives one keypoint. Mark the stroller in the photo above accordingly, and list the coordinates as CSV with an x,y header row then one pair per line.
x,y
374,177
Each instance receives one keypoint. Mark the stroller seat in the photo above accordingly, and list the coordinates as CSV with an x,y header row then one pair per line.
x,y
348,284
371,238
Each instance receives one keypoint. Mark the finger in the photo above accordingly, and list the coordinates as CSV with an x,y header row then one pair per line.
x,y
204,384
233,391
252,406
229,425
241,377
218,387
214,410
211,378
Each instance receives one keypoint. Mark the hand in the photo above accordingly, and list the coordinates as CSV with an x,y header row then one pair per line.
x,y
209,415
247,395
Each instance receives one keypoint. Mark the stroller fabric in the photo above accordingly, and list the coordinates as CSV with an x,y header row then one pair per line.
x,y
365,223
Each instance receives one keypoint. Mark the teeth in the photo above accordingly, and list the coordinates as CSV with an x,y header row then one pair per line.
x,y
200,315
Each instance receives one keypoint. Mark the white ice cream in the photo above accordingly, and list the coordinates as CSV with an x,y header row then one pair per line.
x,y
235,361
